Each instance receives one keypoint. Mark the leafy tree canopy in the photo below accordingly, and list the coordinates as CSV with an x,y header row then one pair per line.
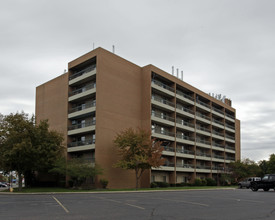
x,y
26,147
138,152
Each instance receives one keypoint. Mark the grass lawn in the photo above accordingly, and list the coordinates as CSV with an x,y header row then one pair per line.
x,y
59,189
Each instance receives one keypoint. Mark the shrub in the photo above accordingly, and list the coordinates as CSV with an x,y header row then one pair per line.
x,y
104,183
197,182
160,184
203,182
154,185
210,182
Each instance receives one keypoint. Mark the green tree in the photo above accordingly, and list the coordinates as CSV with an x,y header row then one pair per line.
x,y
271,164
26,147
138,151
78,169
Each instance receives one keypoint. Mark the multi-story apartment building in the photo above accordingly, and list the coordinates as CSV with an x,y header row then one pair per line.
x,y
103,94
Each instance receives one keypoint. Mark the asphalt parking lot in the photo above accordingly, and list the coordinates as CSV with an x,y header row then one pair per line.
x,y
196,204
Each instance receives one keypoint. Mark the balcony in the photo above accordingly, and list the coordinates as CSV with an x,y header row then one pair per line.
x,y
203,143
163,87
203,169
230,128
203,156
217,123
81,128
83,92
218,112
185,167
218,147
202,130
163,134
185,153
229,159
165,167
203,105
169,151
229,149
163,103
218,135
162,118
184,97
229,117
185,139
185,125
82,76
185,111
229,138
218,158
82,110
203,118
81,145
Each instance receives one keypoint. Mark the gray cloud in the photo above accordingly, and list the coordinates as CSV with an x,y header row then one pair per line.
x,y
222,46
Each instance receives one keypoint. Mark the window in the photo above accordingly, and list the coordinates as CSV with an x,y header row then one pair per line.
x,y
153,178
164,179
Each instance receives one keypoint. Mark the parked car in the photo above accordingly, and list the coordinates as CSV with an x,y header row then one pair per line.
x,y
247,182
3,185
266,183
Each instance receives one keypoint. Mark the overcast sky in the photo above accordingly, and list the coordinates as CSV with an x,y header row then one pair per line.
x,y
222,46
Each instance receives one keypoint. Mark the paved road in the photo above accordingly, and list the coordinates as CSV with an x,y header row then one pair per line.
x,y
204,204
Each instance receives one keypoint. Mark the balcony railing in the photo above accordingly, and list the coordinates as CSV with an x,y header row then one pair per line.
x,y
185,165
203,141
218,133
82,72
179,150
166,148
202,128
229,147
230,116
218,156
218,145
230,126
203,103
163,101
218,110
218,122
83,89
162,116
179,135
203,116
185,109
203,167
164,132
185,95
158,83
84,106
203,154
81,143
230,137
82,125
230,158
181,122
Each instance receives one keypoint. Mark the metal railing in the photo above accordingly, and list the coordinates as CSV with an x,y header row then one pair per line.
x,y
230,126
163,101
179,135
83,89
218,145
202,141
202,128
230,116
158,83
81,143
203,167
230,137
181,122
185,109
203,104
166,148
218,156
82,125
203,116
162,116
185,165
203,154
179,150
217,110
218,122
164,132
229,147
218,133
82,107
82,72
185,95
